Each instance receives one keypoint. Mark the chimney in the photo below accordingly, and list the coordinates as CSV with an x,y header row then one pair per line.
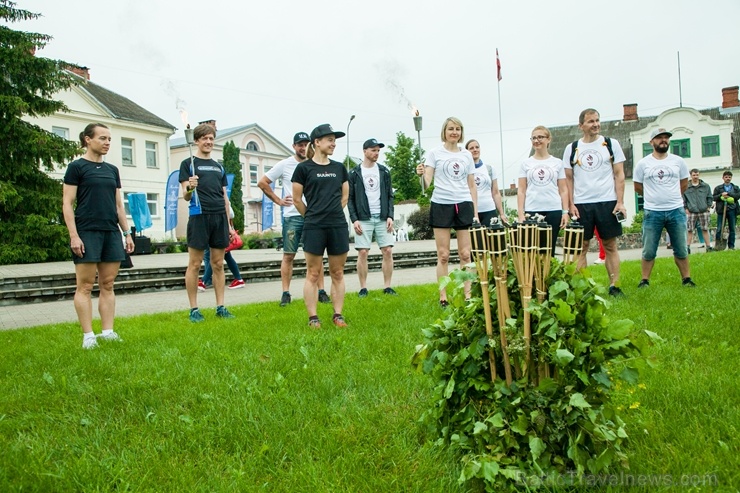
x,y
630,112
83,72
209,122
729,97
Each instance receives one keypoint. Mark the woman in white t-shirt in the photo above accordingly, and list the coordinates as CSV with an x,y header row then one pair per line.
x,y
454,200
542,186
486,181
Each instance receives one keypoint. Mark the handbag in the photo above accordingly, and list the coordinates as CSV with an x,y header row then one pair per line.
x,y
236,243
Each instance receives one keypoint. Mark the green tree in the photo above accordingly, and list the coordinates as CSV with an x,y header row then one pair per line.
x,y
349,161
233,166
402,160
31,225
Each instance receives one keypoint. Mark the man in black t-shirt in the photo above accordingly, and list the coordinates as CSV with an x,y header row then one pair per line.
x,y
203,182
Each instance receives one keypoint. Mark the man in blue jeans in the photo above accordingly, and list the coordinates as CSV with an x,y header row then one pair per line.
x,y
662,178
727,195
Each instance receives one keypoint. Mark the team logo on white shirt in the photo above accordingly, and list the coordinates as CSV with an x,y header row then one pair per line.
x,y
454,170
541,176
665,177
372,183
482,182
590,160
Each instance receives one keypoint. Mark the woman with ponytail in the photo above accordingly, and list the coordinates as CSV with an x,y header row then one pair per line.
x,y
95,226
324,184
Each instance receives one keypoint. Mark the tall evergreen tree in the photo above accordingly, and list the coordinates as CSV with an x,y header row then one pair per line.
x,y
402,160
233,166
31,224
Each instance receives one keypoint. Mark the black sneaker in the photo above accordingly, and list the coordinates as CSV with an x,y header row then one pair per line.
x,y
688,249
390,291
443,304
323,297
710,249
362,293
688,282
643,284
285,299
616,292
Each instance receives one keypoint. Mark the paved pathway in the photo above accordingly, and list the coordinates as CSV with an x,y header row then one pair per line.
x,y
30,315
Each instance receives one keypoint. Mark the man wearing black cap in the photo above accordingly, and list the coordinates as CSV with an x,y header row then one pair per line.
x,y
292,219
662,178
371,211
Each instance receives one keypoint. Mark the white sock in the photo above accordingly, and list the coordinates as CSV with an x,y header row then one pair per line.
x,y
107,331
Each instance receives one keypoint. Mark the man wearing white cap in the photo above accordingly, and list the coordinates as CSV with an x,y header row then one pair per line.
x,y
662,178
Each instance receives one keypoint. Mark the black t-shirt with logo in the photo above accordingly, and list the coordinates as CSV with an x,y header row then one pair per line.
x,y
97,185
211,183
322,189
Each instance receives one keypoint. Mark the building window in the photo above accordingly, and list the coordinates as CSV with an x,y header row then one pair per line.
x,y
151,200
647,149
252,146
127,152
253,174
681,147
61,132
710,146
151,155
639,202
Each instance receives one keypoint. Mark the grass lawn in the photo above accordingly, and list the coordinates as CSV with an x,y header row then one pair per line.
x,y
263,403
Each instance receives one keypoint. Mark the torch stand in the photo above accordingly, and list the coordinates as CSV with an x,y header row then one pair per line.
x,y
542,272
572,242
500,264
523,242
480,255
417,127
189,138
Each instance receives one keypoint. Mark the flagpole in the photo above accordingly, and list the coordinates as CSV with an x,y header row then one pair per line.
x,y
680,92
500,125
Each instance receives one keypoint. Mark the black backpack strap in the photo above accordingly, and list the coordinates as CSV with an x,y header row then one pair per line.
x,y
608,143
573,151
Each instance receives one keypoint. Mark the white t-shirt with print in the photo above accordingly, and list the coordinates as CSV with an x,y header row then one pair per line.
x,y
484,177
451,170
593,175
661,181
371,181
542,183
284,169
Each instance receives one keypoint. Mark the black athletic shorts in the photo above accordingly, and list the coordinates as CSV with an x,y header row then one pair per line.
x,y
485,217
101,246
458,216
599,215
334,240
208,230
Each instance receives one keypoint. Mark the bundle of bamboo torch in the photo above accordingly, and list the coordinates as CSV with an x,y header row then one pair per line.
x,y
530,247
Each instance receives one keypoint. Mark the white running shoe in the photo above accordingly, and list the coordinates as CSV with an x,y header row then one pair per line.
x,y
89,343
109,337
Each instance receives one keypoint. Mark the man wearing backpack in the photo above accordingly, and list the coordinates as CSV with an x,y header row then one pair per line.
x,y
594,168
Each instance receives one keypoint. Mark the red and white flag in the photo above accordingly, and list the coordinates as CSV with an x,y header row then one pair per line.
x,y
498,66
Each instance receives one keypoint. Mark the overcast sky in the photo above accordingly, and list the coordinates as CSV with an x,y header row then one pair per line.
x,y
290,65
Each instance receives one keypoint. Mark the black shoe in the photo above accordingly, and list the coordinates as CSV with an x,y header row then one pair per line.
x,y
362,293
688,282
688,249
390,291
643,284
669,246
616,292
443,304
710,249
323,297
285,299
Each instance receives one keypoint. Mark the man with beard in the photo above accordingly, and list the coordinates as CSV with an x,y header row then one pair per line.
x,y
594,171
725,198
371,211
292,220
662,178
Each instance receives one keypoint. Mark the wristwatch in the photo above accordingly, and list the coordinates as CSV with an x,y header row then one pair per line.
x,y
127,232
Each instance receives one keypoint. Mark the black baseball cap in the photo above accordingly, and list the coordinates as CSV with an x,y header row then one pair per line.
x,y
301,137
323,130
372,143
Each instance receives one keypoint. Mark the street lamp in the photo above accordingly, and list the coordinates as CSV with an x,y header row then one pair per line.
x,y
348,124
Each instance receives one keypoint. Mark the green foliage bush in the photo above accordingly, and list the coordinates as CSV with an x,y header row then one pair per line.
x,y
419,220
256,241
526,436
